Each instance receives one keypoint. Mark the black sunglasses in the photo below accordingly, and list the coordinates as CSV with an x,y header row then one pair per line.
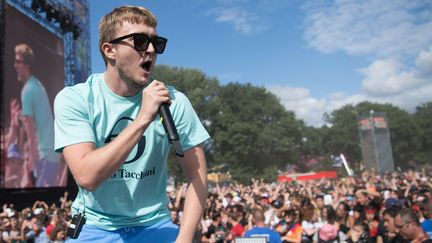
x,y
142,41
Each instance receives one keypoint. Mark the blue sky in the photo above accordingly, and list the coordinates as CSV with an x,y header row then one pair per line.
x,y
316,56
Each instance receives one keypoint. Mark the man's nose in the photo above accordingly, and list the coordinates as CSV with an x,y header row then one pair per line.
x,y
150,48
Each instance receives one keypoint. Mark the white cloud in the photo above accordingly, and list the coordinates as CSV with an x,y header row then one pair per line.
x,y
311,110
378,27
410,99
396,35
424,63
394,81
301,103
387,77
248,17
243,21
385,82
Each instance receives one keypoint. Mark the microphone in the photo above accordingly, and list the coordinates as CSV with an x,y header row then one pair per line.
x,y
170,129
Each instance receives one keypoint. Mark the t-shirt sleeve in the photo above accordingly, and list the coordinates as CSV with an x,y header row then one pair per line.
x,y
189,127
28,100
72,121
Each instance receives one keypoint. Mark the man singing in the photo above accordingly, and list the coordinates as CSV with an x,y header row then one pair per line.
x,y
114,143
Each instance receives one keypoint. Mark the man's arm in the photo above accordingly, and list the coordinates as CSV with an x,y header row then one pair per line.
x,y
194,166
32,140
91,166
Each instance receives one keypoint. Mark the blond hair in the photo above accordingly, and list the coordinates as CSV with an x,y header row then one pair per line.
x,y
109,23
26,52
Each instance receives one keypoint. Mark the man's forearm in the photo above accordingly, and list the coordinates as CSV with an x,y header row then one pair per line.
x,y
195,168
32,141
193,209
91,166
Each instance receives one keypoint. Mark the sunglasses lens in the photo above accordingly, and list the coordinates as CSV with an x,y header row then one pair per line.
x,y
141,42
159,44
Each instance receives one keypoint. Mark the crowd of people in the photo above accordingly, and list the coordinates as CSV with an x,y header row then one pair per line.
x,y
394,207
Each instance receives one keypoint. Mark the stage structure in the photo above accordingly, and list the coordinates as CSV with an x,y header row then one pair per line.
x,y
58,33
375,142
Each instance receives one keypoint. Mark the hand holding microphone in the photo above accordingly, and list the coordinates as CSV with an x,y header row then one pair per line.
x,y
170,128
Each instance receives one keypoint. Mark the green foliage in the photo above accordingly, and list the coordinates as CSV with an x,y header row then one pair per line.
x,y
252,129
200,90
343,135
423,118
253,135
270,174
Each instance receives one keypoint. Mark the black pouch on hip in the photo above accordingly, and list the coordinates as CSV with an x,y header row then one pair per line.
x,y
76,225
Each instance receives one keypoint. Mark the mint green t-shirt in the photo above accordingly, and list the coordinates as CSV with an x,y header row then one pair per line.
x,y
35,103
136,194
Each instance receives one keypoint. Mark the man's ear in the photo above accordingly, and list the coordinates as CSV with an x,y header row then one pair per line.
x,y
109,51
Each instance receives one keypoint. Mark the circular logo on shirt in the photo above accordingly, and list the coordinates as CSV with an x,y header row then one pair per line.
x,y
138,150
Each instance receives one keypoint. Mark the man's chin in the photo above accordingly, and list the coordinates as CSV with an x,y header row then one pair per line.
x,y
141,83
145,80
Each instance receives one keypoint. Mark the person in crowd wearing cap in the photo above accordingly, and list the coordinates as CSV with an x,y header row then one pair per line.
x,y
260,229
391,201
38,120
407,224
350,200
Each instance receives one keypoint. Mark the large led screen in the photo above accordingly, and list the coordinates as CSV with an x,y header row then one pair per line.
x,y
33,75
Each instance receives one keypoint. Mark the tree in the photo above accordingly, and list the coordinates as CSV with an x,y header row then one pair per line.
x,y
423,118
252,135
200,90
252,130
343,135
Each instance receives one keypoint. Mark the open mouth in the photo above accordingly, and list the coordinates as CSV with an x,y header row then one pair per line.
x,y
147,65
